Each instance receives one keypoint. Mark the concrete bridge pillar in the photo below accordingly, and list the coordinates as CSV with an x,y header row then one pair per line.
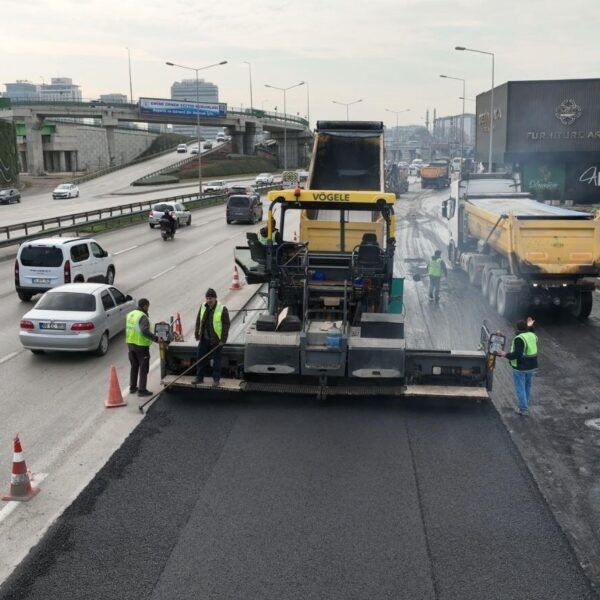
x,y
290,159
237,142
249,139
110,123
35,153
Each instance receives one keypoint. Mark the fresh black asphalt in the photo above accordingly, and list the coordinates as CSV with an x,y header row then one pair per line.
x,y
294,499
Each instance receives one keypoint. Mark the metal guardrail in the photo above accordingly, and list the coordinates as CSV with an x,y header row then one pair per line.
x,y
75,222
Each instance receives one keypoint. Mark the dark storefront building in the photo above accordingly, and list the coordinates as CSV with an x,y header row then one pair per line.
x,y
549,131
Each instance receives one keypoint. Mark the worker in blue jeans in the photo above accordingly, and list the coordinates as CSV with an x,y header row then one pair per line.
x,y
524,363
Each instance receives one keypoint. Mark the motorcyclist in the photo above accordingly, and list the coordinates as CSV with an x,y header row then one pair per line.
x,y
170,221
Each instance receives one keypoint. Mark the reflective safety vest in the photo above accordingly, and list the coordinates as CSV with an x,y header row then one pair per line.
x,y
133,331
217,318
261,238
434,268
530,340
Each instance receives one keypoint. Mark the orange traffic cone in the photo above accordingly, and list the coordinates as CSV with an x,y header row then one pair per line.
x,y
235,283
295,237
115,398
20,486
178,328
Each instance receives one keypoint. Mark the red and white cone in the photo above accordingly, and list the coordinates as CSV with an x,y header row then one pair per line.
x,y
178,329
295,237
235,283
20,485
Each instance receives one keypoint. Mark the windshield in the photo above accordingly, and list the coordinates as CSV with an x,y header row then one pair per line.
x,y
63,186
238,201
41,256
67,301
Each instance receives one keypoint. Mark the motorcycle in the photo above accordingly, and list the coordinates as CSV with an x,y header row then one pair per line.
x,y
167,230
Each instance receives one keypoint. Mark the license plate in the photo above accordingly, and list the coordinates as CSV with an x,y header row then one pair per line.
x,y
52,325
40,280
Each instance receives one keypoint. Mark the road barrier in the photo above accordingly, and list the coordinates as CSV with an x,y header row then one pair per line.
x,y
94,221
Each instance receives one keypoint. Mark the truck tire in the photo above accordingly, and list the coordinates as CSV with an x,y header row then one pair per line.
x,y
507,300
493,286
485,276
583,306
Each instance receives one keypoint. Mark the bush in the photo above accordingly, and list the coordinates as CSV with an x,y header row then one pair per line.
x,y
157,179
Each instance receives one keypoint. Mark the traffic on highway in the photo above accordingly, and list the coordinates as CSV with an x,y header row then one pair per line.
x,y
250,354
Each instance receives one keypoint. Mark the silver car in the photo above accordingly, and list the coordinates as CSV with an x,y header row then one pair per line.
x,y
182,214
76,317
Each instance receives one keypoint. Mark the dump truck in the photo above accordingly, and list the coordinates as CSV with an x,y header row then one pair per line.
x,y
333,323
521,252
436,174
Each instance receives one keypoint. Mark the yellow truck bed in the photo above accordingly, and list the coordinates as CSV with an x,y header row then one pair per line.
x,y
544,240
433,171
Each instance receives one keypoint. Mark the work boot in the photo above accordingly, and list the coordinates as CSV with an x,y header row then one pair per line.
x,y
133,390
143,393
216,382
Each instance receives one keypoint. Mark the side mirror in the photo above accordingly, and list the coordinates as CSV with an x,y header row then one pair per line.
x,y
128,298
445,209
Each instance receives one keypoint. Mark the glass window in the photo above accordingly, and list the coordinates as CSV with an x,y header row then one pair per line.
x,y
67,301
118,296
239,201
96,250
80,252
162,207
41,256
107,301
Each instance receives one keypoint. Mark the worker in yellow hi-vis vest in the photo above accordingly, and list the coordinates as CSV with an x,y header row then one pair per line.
x,y
211,331
139,338
436,267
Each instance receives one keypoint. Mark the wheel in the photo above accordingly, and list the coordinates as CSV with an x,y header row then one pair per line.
x,y
189,221
110,276
507,301
228,221
472,272
485,277
37,352
24,296
78,279
583,305
102,348
493,286
152,225
77,195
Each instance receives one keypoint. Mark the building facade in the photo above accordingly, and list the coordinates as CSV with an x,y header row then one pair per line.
x,y
113,98
549,132
21,90
60,89
186,90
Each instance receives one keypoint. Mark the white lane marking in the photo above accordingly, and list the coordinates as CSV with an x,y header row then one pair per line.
x,y
237,235
125,250
8,357
205,250
11,505
163,272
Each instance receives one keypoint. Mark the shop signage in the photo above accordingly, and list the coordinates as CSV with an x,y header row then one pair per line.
x,y
568,111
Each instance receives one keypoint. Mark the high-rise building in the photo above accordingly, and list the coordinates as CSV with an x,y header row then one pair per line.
x,y
60,89
22,90
186,90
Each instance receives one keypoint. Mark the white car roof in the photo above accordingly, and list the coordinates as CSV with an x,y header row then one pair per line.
x,y
56,241
80,288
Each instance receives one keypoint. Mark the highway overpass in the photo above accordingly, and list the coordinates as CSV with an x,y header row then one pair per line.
x,y
241,125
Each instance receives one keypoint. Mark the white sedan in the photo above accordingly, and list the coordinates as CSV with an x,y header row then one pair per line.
x,y
65,190
215,187
264,179
76,317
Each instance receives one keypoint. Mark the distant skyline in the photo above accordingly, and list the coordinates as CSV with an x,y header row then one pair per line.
x,y
390,53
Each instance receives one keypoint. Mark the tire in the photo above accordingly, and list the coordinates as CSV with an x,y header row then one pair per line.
x,y
189,221
485,277
79,279
24,296
77,196
228,221
37,352
152,225
507,302
493,286
583,306
110,276
102,348
472,272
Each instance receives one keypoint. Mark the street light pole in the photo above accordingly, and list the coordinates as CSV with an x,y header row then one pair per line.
x,y
284,90
397,136
196,70
130,85
462,118
462,48
250,76
347,105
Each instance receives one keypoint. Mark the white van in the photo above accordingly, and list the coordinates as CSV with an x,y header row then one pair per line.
x,y
182,148
49,262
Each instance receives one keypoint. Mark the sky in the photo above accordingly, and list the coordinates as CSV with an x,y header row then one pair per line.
x,y
388,53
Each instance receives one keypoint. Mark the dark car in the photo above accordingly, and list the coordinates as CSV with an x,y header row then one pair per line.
x,y
241,190
9,196
244,208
